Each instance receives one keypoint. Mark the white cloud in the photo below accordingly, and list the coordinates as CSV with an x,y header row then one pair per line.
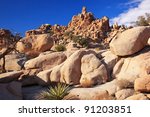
x,y
131,15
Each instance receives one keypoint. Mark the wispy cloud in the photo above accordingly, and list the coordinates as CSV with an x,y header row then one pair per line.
x,y
135,8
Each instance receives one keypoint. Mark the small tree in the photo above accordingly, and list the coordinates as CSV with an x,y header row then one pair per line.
x,y
143,20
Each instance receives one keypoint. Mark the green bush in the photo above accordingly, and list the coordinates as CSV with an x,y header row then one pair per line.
x,y
57,92
60,47
81,41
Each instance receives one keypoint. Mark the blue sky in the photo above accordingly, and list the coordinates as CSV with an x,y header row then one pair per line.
x,y
22,15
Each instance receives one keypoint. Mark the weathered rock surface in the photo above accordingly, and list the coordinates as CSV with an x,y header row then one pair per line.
x,y
14,62
142,84
133,67
71,70
88,94
46,61
10,76
139,96
124,93
93,71
11,91
43,78
35,44
113,86
130,41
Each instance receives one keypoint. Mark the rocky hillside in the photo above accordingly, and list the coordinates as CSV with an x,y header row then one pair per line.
x,y
99,61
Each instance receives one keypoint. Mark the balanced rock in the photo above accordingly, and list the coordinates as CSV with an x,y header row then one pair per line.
x,y
130,41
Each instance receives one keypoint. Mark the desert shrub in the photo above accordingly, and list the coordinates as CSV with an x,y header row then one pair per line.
x,y
143,20
60,47
80,40
57,92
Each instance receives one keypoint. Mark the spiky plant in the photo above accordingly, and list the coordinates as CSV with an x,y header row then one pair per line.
x,y
57,92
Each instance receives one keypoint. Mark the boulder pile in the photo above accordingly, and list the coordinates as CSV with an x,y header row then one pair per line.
x,y
120,72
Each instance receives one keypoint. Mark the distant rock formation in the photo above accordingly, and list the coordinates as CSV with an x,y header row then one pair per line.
x,y
86,25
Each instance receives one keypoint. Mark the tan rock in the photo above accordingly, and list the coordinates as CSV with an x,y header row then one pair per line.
x,y
109,60
93,71
35,44
46,61
71,70
133,67
88,94
149,41
142,84
56,73
43,78
113,86
124,93
10,76
139,96
130,41
14,62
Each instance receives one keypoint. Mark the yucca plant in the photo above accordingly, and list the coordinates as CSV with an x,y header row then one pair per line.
x,y
57,92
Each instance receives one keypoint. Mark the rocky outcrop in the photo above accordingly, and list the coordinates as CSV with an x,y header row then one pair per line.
x,y
130,41
86,25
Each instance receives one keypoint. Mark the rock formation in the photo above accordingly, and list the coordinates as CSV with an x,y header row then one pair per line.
x,y
115,65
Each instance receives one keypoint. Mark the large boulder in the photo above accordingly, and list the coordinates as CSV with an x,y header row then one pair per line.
x,y
35,44
130,41
47,76
93,71
14,62
10,76
46,61
142,84
11,91
133,67
71,70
